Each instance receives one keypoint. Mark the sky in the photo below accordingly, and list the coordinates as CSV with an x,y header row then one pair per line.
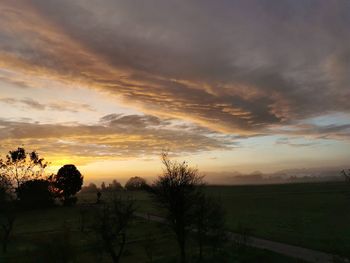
x,y
244,85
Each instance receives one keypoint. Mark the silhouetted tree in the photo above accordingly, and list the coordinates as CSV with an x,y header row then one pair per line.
x,y
135,183
346,175
35,193
20,166
209,223
68,182
114,186
91,188
103,186
111,225
177,191
98,200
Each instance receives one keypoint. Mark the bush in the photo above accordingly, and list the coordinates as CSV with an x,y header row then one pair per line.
x,y
35,194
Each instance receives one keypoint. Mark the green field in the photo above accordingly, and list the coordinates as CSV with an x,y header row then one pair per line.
x,y
311,215
308,215
53,235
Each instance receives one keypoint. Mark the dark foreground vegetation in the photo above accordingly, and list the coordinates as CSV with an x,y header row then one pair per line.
x,y
43,219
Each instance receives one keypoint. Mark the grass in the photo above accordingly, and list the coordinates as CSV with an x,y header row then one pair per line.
x,y
52,235
311,215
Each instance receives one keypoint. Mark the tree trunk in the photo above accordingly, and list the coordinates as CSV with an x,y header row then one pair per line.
x,y
122,244
200,249
111,252
7,231
181,242
183,253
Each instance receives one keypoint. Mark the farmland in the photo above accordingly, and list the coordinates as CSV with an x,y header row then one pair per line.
x,y
307,215
311,215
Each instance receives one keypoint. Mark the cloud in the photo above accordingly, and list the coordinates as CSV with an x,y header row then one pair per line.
x,y
257,65
54,106
309,132
115,136
294,142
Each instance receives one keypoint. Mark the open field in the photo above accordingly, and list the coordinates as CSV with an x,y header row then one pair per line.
x,y
314,215
54,234
311,215
308,215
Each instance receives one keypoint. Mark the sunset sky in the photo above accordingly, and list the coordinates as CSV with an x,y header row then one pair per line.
x,y
226,85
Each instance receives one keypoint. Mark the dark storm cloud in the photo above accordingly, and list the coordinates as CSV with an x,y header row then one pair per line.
x,y
234,66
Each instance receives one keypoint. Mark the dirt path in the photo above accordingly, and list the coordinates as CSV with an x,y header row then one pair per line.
x,y
305,254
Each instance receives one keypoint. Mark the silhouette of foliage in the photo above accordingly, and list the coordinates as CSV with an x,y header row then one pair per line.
x,y
111,225
68,182
136,183
20,166
114,186
177,191
91,188
35,193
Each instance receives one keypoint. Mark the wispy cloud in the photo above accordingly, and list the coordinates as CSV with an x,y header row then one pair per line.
x,y
54,106
115,136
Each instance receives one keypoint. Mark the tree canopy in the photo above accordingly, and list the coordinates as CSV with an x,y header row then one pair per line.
x,y
136,183
68,182
20,166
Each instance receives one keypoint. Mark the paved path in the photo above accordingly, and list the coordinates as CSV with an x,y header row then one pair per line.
x,y
305,254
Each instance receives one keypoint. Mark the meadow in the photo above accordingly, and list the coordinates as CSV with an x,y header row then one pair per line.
x,y
310,215
54,235
313,215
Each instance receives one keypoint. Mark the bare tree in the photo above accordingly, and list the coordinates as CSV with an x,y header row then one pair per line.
x,y
111,224
176,191
346,175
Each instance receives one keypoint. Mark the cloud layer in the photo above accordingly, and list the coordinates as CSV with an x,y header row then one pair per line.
x,y
115,136
233,66
201,76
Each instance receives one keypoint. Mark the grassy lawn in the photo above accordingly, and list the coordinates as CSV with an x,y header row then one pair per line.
x,y
312,215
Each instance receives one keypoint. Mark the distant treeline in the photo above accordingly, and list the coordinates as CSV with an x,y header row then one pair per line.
x,y
134,183
297,176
